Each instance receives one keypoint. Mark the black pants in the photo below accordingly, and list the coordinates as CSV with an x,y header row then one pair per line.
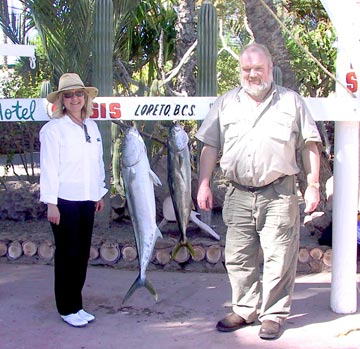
x,y
72,249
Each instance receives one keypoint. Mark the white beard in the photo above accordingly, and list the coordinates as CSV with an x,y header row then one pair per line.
x,y
255,90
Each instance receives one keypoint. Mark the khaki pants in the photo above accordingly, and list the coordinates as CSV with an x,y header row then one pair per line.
x,y
268,219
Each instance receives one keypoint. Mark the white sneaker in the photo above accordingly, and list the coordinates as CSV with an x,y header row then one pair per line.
x,y
74,320
85,316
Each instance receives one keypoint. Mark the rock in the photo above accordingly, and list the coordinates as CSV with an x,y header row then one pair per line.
x,y
20,201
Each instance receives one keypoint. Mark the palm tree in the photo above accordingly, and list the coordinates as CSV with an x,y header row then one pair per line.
x,y
267,31
185,27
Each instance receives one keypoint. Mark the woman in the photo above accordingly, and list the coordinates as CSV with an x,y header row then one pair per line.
x,y
72,185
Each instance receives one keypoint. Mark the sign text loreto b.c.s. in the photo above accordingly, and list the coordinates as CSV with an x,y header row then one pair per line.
x,y
335,108
114,108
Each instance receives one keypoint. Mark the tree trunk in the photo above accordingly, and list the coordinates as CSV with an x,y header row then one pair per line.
x,y
316,253
268,32
182,255
46,250
213,254
199,254
163,256
94,253
185,37
3,248
29,248
109,252
129,253
327,258
14,250
304,255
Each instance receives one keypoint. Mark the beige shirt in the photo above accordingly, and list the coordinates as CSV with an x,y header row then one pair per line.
x,y
258,144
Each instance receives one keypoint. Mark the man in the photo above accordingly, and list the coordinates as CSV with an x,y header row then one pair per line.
x,y
259,129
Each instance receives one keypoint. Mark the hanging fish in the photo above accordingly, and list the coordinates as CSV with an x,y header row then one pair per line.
x,y
139,181
179,181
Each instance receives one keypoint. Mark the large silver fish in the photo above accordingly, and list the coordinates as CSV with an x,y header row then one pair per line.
x,y
139,182
179,181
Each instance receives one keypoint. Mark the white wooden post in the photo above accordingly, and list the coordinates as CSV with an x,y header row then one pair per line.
x,y
345,197
345,19
345,204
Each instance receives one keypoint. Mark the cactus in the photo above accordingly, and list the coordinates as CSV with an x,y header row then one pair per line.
x,y
117,179
45,89
103,47
277,74
149,126
206,61
102,79
207,50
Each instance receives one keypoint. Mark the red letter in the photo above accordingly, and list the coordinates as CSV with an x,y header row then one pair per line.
x,y
351,81
95,114
115,111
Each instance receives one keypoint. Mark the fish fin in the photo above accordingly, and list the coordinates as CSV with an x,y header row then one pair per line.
x,y
151,289
181,160
155,178
132,174
161,224
138,283
203,225
158,232
190,248
175,251
183,244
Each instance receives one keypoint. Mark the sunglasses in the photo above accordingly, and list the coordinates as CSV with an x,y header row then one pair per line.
x,y
72,94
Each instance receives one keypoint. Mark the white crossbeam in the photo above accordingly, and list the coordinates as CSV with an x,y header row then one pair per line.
x,y
17,50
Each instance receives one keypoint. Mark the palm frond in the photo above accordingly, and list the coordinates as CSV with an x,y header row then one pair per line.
x,y
66,30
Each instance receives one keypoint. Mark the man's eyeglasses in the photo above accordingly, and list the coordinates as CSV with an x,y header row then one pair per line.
x,y
87,136
72,94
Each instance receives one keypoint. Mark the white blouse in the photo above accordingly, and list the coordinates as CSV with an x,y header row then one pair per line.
x,y
71,168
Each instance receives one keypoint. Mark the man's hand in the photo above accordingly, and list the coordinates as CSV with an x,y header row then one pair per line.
x,y
205,198
312,198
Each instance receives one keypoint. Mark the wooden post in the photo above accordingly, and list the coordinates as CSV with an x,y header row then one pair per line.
x,y
345,198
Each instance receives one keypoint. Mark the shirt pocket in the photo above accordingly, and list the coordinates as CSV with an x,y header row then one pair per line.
x,y
280,127
233,124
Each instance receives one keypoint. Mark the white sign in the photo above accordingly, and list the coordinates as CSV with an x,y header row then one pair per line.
x,y
114,108
169,108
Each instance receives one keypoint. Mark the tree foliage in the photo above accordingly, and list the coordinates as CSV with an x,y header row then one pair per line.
x,y
311,28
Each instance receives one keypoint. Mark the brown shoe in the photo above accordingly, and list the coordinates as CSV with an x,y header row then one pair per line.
x,y
269,330
231,322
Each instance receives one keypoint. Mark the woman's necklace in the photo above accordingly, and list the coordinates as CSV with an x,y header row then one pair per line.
x,y
82,125
76,120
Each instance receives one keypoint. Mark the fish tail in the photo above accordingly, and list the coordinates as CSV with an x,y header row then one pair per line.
x,y
138,283
190,248
151,289
186,244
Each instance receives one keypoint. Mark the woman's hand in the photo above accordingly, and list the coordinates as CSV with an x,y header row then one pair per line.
x,y
99,206
53,214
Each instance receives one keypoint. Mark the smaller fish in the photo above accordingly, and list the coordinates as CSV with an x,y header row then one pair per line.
x,y
179,181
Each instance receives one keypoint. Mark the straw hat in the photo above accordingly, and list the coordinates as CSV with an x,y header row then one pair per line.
x,y
71,81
